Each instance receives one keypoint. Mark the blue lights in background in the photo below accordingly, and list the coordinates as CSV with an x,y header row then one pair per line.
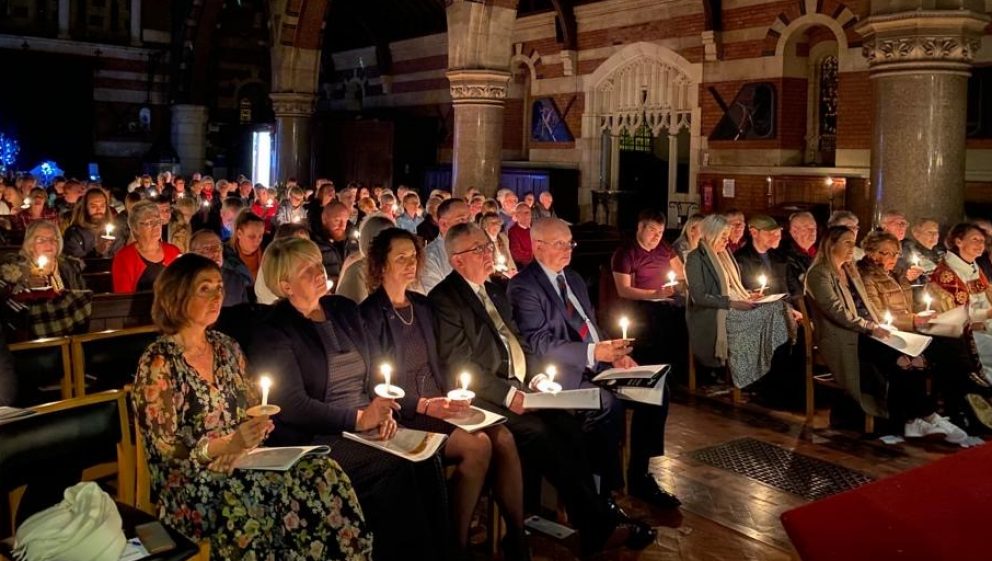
x,y
46,171
9,148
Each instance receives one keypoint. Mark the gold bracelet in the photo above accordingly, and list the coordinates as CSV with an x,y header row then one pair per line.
x,y
200,453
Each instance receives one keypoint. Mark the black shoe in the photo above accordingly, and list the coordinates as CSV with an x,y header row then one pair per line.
x,y
647,489
641,535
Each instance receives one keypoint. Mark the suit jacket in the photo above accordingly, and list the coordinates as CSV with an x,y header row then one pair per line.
x,y
467,339
543,320
384,329
287,347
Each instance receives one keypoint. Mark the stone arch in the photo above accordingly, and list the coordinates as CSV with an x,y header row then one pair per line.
x,y
641,84
803,14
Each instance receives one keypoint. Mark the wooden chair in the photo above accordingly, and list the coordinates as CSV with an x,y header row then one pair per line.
x,y
100,282
119,311
41,455
815,363
44,370
108,359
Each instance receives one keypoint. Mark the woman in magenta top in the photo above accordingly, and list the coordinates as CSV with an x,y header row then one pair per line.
x,y
139,263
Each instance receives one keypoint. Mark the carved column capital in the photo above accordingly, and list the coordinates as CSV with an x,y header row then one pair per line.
x,y
292,104
922,41
478,87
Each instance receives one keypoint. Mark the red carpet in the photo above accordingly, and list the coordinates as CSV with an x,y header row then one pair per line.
x,y
938,512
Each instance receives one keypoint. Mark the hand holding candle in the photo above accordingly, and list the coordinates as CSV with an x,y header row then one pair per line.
x,y
42,261
763,281
671,279
548,384
109,232
265,383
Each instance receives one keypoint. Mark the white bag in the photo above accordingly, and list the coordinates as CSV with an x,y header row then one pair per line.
x,y
85,526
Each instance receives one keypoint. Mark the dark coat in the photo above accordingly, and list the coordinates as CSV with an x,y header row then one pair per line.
x,y
383,329
797,262
287,346
468,340
238,284
751,265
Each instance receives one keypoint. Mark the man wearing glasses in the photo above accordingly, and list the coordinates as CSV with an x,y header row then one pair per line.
x,y
552,307
476,333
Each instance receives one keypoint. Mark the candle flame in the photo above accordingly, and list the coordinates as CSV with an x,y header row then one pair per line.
x,y
386,370
42,261
551,372
110,228
624,322
265,382
330,285
762,280
888,318
465,377
671,276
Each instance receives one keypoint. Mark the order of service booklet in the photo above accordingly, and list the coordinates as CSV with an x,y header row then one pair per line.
x,y
586,398
278,459
476,419
409,444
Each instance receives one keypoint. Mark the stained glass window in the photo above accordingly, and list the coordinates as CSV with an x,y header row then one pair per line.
x,y
641,141
828,104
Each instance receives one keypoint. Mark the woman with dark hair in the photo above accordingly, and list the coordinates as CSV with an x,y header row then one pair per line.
x,y
191,398
317,350
884,382
401,322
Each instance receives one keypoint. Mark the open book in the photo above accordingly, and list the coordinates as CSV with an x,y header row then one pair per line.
x,y
587,398
644,384
409,444
476,419
278,459
948,324
912,344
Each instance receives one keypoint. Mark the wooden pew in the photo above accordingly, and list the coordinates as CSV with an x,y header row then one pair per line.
x,y
44,370
119,311
108,359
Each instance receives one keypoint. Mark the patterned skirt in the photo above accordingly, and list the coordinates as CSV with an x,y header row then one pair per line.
x,y
752,337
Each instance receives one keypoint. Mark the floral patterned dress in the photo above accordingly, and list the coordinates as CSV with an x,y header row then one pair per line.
x,y
309,512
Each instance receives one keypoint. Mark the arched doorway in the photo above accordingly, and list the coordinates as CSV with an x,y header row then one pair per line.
x,y
641,131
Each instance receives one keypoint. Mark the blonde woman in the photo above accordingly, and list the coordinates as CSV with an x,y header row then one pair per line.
x,y
726,327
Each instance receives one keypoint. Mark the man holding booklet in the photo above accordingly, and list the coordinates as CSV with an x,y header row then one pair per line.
x,y
476,332
552,307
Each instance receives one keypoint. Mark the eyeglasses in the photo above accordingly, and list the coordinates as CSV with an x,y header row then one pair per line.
x,y
888,254
145,224
40,240
480,249
559,245
209,249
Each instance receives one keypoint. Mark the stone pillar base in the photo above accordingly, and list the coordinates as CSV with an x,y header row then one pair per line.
x,y
189,136
292,139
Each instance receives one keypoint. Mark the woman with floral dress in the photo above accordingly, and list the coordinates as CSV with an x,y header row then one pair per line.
x,y
191,399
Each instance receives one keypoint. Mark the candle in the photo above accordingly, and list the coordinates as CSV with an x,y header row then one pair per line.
x,y
42,261
355,234
108,232
500,262
180,195
763,281
206,203
152,193
26,203
928,300
462,393
671,278
888,319
548,384
624,324
296,220
396,209
330,285
268,204
265,383
916,259
387,390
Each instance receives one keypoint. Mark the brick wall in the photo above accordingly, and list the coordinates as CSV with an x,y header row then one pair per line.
x,y
854,112
790,113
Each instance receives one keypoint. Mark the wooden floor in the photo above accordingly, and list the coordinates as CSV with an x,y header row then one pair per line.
x,y
726,516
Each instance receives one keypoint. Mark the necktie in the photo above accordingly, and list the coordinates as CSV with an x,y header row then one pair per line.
x,y
518,362
570,311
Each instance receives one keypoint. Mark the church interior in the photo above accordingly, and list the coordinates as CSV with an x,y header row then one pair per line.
x,y
686,279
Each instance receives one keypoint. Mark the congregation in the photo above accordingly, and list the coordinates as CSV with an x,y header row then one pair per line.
x,y
319,287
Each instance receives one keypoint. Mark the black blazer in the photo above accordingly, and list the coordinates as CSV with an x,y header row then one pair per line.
x,y
751,266
468,340
383,328
287,347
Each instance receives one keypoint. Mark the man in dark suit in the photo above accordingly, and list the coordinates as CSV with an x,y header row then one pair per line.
x,y
476,332
552,307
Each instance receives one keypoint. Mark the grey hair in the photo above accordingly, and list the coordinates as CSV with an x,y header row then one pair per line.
x,y
712,227
802,214
840,215
370,228
140,211
457,232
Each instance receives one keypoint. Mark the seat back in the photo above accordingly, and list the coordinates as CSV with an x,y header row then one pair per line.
x,y
119,311
100,282
44,370
108,359
48,452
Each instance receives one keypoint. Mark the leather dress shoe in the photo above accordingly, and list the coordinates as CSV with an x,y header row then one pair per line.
x,y
647,489
640,534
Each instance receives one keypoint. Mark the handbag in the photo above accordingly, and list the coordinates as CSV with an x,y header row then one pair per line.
x,y
85,526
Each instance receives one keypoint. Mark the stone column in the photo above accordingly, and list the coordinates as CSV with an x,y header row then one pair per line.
x,y
919,62
478,97
292,139
189,136
135,22
64,19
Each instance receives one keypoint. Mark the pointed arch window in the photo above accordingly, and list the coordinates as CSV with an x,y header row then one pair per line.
x,y
827,104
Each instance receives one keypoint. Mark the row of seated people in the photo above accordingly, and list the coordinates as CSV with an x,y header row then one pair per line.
x,y
850,290
321,352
